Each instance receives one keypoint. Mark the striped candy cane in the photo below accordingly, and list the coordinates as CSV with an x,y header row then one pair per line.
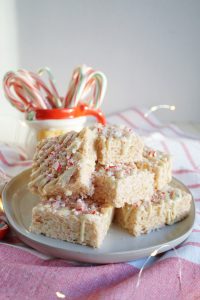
x,y
84,81
23,92
27,91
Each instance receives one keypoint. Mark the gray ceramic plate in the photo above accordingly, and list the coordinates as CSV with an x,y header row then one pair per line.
x,y
118,245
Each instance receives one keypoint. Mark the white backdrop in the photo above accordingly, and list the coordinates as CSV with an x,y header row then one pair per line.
x,y
149,49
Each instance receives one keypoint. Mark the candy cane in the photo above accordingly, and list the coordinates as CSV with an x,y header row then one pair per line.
x,y
84,80
37,86
27,91
31,90
10,93
56,97
99,88
24,90
76,86
21,92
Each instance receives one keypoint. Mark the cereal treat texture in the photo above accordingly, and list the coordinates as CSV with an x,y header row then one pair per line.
x,y
64,164
167,206
158,163
122,183
117,144
81,221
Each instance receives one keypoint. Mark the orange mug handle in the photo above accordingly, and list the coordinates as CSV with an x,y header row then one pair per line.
x,y
85,110
64,113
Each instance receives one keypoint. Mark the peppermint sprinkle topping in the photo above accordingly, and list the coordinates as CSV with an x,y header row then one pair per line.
x,y
77,206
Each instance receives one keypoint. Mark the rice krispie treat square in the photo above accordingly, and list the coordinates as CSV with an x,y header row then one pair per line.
x,y
122,183
81,221
166,207
158,163
117,144
64,164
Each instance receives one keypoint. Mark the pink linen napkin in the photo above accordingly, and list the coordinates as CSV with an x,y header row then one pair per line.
x,y
28,274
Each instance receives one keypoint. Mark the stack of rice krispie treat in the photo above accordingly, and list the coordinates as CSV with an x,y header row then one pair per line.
x,y
168,205
84,178
62,177
117,179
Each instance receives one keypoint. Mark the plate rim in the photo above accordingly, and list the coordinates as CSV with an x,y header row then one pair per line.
x,y
22,233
